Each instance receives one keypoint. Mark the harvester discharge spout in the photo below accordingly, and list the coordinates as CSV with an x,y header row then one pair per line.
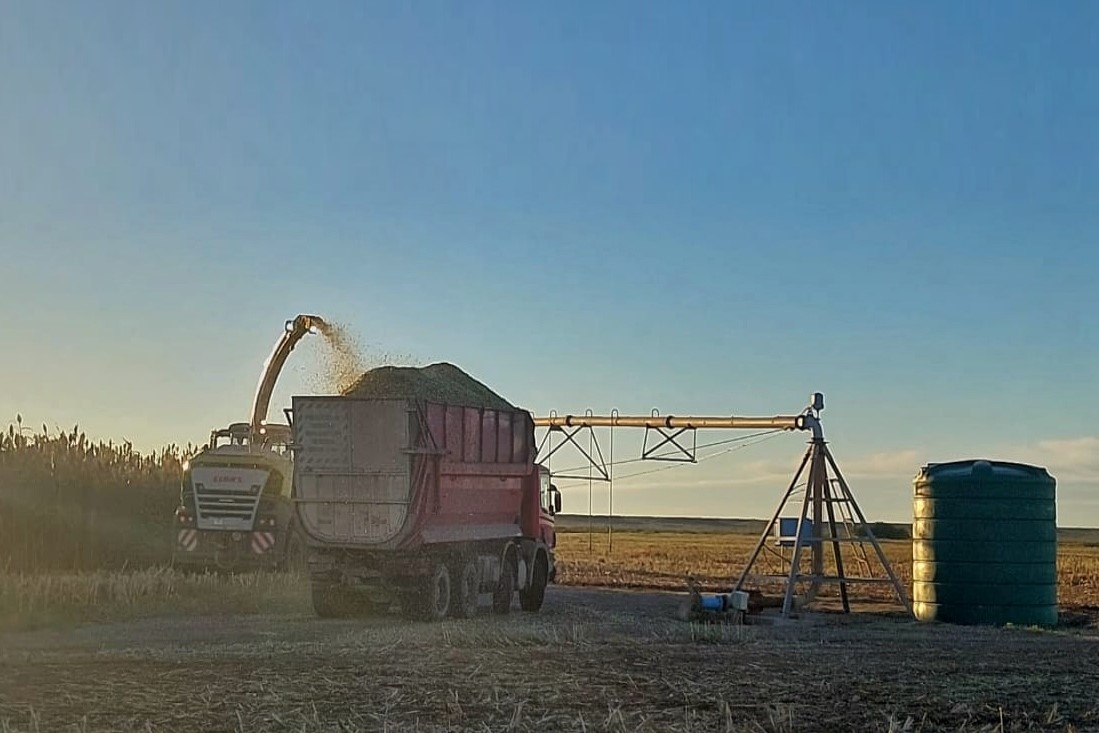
x,y
295,329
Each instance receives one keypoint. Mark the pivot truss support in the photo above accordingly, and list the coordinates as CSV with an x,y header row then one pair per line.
x,y
829,519
593,454
671,440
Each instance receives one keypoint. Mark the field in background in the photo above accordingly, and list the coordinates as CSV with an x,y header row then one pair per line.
x,y
691,525
660,552
663,560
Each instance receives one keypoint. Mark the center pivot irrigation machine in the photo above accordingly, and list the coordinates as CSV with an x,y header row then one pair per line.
x,y
829,515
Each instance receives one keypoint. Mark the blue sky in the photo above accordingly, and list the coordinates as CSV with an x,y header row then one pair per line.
x,y
707,207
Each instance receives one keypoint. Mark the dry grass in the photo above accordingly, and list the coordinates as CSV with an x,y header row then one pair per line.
x,y
28,601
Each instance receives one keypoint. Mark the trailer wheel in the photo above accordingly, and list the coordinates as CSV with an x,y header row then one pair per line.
x,y
435,605
463,603
295,560
332,601
505,589
530,598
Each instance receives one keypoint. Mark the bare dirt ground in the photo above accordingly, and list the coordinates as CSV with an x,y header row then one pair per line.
x,y
592,660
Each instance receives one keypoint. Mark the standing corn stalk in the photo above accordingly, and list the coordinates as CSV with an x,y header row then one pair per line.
x,y
67,503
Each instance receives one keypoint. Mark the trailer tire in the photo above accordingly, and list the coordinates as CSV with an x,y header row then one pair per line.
x,y
531,598
505,588
295,559
435,603
463,601
332,601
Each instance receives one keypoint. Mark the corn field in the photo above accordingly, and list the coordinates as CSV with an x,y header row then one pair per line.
x,y
69,503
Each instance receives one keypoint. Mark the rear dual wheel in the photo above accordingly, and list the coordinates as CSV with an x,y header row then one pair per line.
x,y
532,597
332,601
505,588
434,605
295,560
449,591
466,590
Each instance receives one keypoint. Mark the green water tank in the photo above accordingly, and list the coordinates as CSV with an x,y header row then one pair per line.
x,y
984,544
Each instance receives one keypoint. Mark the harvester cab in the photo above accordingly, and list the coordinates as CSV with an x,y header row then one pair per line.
x,y
240,437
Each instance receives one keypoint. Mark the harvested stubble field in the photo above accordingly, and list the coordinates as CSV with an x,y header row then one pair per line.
x,y
662,560
615,660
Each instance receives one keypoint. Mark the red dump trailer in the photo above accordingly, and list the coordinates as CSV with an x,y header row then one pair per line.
x,y
428,505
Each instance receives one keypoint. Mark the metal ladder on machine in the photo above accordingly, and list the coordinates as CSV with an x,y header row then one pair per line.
x,y
836,498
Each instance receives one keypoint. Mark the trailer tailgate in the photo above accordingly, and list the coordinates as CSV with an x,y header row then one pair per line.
x,y
352,468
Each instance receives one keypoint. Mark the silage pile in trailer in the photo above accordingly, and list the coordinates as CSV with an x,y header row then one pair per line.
x,y
441,382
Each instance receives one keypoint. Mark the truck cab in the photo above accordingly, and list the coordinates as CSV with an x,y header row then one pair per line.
x,y
549,504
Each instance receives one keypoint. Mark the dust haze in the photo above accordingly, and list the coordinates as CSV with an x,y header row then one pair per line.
x,y
340,357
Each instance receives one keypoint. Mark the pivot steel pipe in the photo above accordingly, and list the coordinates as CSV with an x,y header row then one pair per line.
x,y
778,422
807,420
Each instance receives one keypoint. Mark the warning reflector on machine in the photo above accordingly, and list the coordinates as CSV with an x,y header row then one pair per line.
x,y
262,542
187,539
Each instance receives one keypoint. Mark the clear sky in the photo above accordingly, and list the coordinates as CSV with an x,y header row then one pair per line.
x,y
702,207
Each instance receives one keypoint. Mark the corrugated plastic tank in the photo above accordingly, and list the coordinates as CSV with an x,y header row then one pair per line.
x,y
984,544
